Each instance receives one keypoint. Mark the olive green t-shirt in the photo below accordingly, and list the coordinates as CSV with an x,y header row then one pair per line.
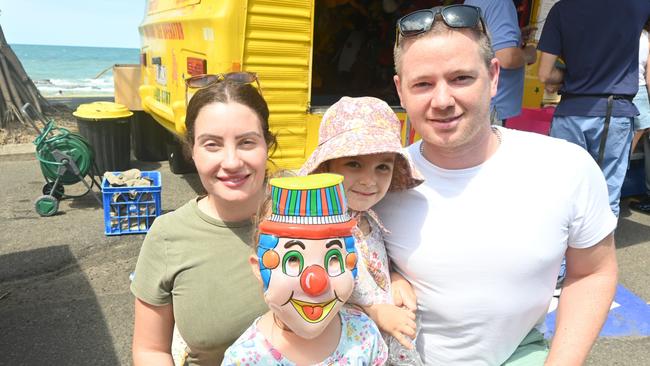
x,y
200,264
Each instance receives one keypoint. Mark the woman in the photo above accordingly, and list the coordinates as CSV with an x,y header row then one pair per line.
x,y
193,266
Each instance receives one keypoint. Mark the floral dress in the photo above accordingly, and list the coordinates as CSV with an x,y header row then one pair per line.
x,y
360,345
372,285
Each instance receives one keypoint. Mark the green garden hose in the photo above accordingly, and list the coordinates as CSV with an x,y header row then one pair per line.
x,y
71,144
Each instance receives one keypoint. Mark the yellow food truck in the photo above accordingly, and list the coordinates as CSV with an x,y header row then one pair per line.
x,y
307,54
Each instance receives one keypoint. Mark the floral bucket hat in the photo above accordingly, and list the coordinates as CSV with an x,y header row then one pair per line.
x,y
362,126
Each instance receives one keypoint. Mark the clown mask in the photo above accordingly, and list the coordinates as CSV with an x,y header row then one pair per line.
x,y
307,266
312,280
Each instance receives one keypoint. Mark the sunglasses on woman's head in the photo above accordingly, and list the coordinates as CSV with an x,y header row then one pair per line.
x,y
205,80
454,16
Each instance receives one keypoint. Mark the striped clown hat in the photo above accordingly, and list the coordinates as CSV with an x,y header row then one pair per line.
x,y
305,207
309,207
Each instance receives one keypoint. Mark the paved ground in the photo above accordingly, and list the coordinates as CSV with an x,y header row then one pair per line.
x,y
64,297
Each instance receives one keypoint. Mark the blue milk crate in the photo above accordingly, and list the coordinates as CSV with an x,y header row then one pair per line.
x,y
131,210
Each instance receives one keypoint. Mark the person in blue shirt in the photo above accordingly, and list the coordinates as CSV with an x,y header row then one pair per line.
x,y
598,41
513,55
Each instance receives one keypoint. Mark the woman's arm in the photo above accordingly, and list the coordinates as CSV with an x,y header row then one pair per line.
x,y
152,334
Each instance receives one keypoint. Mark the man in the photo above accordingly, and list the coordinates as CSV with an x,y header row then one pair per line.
x,y
483,256
599,43
511,51
642,121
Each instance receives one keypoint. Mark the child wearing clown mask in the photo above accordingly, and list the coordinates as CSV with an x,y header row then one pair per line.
x,y
360,138
306,260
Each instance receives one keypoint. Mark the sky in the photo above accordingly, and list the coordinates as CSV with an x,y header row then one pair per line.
x,y
99,23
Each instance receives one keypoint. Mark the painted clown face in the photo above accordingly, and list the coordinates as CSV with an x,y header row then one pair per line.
x,y
307,280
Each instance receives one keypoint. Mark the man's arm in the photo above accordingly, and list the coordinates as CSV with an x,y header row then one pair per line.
x,y
501,18
587,295
515,57
548,73
546,70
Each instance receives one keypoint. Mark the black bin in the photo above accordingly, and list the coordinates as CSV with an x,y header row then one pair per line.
x,y
106,126
148,138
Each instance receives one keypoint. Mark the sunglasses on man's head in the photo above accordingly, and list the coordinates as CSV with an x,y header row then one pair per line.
x,y
454,16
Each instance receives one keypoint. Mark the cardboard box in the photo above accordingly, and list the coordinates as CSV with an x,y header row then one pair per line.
x,y
127,80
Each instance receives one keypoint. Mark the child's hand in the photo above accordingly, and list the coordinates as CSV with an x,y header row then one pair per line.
x,y
396,321
403,294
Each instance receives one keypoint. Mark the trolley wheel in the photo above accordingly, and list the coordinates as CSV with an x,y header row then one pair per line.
x,y
58,192
46,205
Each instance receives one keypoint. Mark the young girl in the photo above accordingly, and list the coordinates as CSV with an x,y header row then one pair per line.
x,y
306,261
359,138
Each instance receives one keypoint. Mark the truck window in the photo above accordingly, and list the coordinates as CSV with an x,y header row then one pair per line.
x,y
353,52
353,48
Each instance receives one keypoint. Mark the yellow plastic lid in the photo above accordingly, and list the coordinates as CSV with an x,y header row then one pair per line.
x,y
102,110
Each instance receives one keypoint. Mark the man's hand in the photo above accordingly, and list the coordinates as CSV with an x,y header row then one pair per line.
x,y
530,54
547,71
403,294
527,32
552,88
396,321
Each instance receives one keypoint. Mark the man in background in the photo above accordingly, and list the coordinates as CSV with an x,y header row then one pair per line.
x,y
642,121
599,43
512,52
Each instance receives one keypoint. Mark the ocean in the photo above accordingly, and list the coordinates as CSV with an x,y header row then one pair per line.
x,y
71,71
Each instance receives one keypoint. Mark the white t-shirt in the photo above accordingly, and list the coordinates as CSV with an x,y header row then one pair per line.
x,y
482,246
644,49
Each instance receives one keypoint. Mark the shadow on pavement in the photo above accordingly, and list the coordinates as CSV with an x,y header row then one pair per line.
x,y
636,233
194,182
21,265
145,165
192,179
87,201
51,319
